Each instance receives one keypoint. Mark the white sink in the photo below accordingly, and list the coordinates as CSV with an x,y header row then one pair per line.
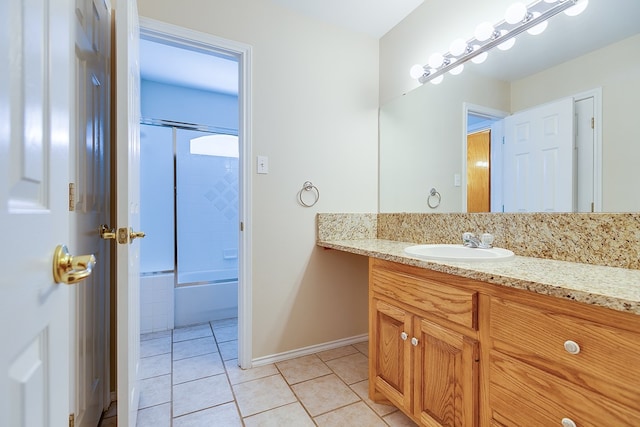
x,y
443,252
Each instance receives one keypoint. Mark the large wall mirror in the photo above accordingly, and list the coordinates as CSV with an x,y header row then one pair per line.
x,y
590,64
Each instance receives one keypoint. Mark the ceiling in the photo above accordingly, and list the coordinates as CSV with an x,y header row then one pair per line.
x,y
603,22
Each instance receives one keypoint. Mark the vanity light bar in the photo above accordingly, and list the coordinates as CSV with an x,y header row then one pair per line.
x,y
546,11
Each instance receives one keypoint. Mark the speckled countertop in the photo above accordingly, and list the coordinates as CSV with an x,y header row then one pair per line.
x,y
611,287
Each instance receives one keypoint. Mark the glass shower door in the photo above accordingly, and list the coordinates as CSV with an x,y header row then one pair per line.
x,y
206,209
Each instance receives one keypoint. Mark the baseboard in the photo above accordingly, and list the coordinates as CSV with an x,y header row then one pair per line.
x,y
305,351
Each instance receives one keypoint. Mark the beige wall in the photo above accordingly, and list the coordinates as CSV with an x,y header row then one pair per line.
x,y
315,99
616,69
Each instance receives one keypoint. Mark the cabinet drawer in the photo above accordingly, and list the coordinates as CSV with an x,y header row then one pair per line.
x,y
608,361
521,395
448,302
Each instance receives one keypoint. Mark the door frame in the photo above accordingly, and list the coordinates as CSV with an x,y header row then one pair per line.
x,y
490,113
184,37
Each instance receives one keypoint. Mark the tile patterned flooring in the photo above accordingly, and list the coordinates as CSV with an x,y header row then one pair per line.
x,y
190,377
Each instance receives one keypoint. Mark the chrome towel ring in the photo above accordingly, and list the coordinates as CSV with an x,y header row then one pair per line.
x,y
434,199
309,187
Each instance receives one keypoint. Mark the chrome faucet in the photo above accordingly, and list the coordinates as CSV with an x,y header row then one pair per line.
x,y
471,241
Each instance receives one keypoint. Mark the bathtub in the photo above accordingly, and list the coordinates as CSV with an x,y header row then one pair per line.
x,y
205,301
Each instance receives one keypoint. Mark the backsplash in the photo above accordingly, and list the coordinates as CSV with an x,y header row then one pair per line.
x,y
597,238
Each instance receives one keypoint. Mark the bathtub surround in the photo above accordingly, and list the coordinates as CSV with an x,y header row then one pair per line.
x,y
600,238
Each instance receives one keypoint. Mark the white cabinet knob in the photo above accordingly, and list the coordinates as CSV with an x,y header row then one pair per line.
x,y
414,341
568,422
404,336
572,347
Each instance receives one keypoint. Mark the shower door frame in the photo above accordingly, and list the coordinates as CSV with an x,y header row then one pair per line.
x,y
183,37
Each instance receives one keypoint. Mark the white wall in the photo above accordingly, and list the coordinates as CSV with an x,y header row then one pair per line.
x,y
315,99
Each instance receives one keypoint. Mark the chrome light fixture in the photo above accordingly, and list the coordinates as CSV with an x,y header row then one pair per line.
x,y
518,19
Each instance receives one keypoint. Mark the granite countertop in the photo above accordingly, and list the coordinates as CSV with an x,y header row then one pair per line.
x,y
611,287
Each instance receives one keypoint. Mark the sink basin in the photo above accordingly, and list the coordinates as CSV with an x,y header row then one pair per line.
x,y
461,253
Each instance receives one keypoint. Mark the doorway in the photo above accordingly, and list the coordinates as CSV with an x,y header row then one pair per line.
x,y
186,127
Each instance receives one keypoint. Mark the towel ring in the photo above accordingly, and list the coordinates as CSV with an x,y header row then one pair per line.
x,y
308,186
436,196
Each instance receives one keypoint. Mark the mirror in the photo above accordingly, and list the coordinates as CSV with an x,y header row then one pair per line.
x,y
598,52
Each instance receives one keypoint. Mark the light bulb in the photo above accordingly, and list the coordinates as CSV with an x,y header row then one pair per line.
x,y
484,31
508,44
458,47
416,71
479,59
456,70
515,13
579,7
550,1
538,29
436,60
438,79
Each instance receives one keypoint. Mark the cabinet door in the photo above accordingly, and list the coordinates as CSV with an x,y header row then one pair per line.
x,y
390,360
446,375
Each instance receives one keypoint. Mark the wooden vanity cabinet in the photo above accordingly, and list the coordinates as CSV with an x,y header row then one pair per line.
x,y
519,359
562,363
424,350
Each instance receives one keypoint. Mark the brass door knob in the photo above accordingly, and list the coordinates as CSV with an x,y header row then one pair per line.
x,y
71,269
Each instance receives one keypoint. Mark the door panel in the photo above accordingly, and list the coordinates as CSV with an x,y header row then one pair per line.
x,y
90,164
447,369
539,159
391,327
34,170
479,172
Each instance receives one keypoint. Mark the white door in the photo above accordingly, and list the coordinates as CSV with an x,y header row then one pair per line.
x,y
90,165
538,163
35,130
128,209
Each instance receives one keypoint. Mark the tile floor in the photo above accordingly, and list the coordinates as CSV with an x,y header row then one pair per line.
x,y
190,377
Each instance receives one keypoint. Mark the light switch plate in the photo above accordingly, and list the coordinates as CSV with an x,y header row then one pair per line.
x,y
263,164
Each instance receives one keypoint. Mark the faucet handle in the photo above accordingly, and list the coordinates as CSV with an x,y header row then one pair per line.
x,y
467,236
486,240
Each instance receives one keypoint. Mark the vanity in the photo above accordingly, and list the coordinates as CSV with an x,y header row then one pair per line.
x,y
526,342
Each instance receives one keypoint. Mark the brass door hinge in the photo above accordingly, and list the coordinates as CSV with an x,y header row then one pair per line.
x,y
72,420
593,123
241,226
72,197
